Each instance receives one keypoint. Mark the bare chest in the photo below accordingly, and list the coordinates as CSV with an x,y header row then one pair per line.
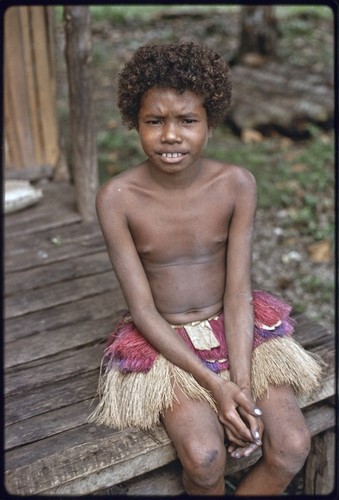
x,y
174,231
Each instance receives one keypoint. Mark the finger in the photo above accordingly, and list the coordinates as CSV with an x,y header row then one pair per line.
x,y
234,440
245,402
238,426
244,451
255,425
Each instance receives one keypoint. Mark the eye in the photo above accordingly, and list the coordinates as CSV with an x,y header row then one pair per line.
x,y
189,121
153,122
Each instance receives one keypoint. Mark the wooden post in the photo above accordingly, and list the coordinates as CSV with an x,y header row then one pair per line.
x,y
320,465
83,139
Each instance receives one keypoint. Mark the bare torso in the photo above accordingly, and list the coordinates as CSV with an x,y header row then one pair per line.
x,y
181,239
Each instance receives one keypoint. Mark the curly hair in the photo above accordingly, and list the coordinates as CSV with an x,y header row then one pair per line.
x,y
183,66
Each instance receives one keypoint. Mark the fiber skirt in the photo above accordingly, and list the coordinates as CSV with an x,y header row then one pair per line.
x,y
136,381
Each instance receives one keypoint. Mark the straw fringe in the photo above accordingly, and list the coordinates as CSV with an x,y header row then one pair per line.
x,y
138,399
283,361
134,398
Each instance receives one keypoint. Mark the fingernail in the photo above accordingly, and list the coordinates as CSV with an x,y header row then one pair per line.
x,y
257,411
256,435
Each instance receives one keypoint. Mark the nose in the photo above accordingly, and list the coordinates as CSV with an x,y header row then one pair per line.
x,y
171,133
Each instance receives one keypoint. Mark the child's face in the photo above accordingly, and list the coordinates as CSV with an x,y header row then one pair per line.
x,y
173,128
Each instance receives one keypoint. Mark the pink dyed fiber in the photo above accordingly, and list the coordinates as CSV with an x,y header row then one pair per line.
x,y
131,351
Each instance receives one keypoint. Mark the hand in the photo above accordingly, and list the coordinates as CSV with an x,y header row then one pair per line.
x,y
238,449
239,415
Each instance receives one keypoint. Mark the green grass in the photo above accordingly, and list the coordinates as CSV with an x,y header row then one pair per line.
x,y
297,178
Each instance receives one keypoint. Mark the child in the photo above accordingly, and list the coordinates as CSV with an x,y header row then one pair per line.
x,y
178,229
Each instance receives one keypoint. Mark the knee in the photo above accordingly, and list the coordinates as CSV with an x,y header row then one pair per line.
x,y
204,464
288,454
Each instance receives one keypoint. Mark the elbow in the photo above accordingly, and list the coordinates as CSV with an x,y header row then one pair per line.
x,y
142,313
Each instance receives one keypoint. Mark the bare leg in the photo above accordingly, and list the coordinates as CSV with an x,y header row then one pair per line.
x,y
286,444
198,437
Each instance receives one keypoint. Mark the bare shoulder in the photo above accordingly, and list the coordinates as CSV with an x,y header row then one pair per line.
x,y
233,176
113,193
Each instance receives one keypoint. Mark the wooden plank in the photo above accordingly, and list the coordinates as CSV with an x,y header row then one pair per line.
x,y
53,245
13,157
45,344
57,294
29,63
45,86
51,397
56,444
309,332
45,425
17,91
87,309
58,200
40,221
43,371
80,231
90,462
55,272
87,468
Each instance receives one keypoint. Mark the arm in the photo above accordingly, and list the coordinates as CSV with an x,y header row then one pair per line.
x,y
238,307
238,297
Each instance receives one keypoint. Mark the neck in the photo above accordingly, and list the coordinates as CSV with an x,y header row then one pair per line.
x,y
175,180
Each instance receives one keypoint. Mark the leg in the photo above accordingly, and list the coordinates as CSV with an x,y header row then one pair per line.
x,y
286,444
198,437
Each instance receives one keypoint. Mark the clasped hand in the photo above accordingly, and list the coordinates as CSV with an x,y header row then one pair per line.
x,y
241,419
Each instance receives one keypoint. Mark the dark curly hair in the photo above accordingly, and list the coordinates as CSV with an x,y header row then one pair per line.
x,y
183,66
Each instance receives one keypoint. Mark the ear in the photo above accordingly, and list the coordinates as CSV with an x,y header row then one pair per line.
x,y
210,132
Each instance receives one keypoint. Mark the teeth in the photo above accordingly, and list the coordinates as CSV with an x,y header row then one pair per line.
x,y
171,155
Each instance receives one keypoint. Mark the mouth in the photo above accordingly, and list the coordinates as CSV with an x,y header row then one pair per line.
x,y
172,157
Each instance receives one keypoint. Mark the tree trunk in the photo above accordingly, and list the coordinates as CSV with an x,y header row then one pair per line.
x,y
83,138
259,31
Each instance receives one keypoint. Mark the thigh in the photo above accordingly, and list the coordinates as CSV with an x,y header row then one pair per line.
x,y
193,427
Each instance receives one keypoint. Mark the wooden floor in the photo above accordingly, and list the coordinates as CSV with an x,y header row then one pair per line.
x,y
61,302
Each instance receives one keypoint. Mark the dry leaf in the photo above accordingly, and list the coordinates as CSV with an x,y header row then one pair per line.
x,y
320,253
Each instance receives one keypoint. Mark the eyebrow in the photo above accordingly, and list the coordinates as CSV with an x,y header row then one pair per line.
x,y
181,115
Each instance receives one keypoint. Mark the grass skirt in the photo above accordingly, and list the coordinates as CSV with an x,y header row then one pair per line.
x,y
136,383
